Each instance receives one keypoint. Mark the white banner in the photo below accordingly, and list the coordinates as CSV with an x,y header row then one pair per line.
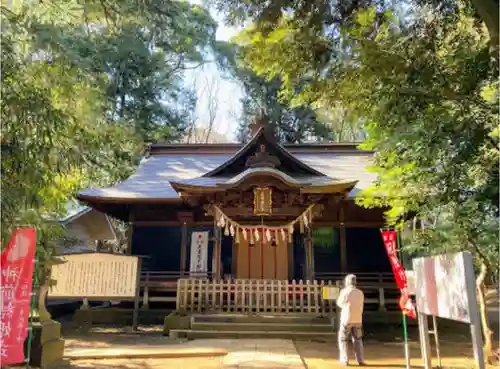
x,y
199,253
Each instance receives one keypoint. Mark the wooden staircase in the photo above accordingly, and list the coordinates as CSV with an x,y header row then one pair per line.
x,y
235,325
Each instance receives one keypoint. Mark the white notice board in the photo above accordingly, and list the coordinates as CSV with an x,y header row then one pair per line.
x,y
199,254
442,286
96,275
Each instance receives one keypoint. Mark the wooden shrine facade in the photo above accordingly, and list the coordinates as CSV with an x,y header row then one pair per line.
x,y
268,209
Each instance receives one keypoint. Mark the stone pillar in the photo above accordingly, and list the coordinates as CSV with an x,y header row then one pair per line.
x,y
47,345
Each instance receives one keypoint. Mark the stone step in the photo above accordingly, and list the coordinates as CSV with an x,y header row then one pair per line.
x,y
260,318
114,315
266,327
198,334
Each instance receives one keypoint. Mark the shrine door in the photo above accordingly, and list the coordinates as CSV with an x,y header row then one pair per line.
x,y
262,261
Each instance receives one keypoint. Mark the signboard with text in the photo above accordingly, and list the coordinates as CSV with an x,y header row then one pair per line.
x,y
199,253
96,275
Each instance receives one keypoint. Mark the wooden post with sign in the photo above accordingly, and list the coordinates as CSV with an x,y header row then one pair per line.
x,y
135,318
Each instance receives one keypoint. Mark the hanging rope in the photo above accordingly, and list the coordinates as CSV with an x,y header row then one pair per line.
x,y
233,228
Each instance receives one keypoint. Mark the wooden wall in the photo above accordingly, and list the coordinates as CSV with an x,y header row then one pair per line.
x,y
364,253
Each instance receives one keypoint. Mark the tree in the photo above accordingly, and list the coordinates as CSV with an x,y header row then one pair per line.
x,y
143,50
201,129
426,87
54,139
316,16
344,122
83,86
290,124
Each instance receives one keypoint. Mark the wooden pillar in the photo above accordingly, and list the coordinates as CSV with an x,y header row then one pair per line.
x,y
184,237
234,259
185,219
343,248
307,247
130,232
216,254
311,247
291,260
305,271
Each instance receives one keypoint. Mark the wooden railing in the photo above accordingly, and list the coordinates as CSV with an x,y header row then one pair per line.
x,y
161,286
362,278
261,296
202,292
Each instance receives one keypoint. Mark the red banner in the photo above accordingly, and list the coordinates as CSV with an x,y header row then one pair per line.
x,y
17,262
405,303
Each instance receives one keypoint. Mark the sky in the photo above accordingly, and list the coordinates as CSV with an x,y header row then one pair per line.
x,y
228,93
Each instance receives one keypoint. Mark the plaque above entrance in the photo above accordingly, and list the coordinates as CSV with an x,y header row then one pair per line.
x,y
262,201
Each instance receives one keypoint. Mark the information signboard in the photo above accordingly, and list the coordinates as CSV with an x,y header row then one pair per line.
x,y
330,293
96,276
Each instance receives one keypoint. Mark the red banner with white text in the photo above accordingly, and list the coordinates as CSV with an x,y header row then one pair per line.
x,y
17,263
405,302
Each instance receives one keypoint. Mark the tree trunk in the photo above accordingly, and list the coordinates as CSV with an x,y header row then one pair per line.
x,y
483,312
488,11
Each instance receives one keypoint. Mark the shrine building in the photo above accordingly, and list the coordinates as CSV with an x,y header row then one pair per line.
x,y
269,211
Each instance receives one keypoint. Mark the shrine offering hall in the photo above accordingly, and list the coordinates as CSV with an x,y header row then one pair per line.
x,y
259,211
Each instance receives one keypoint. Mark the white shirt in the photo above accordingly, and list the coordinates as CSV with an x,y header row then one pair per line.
x,y
351,301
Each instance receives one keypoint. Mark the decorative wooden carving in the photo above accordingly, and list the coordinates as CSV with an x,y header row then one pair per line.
x,y
262,201
262,159
258,123
237,213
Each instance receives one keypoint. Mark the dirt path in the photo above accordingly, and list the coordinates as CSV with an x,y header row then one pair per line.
x,y
383,348
384,355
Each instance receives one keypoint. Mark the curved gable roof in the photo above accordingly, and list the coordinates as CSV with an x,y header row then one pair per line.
x,y
249,149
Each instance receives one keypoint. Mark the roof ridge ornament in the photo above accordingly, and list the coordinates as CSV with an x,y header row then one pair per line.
x,y
261,121
262,159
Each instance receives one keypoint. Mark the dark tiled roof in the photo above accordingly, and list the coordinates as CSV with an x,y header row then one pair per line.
x,y
151,181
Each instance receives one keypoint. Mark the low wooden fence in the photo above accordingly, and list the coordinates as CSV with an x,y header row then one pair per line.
x,y
264,296
161,286
202,293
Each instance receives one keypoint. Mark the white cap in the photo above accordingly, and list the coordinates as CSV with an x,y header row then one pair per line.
x,y
350,280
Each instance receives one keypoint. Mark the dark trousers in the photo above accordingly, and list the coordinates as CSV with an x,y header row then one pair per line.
x,y
355,333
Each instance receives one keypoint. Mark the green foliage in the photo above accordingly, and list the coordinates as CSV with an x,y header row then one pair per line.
x,y
83,86
139,53
425,87
325,237
290,124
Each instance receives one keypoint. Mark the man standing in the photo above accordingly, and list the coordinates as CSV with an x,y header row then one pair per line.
x,y
351,301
